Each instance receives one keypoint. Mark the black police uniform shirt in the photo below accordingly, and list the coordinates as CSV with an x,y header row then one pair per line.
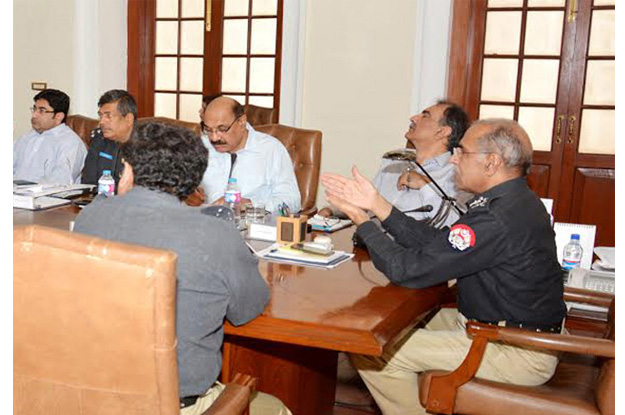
x,y
502,251
103,155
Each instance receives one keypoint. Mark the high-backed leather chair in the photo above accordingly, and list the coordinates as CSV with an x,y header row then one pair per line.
x,y
94,327
260,115
304,147
82,126
581,385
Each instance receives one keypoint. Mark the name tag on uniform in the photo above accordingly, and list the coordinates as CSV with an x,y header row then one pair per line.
x,y
106,155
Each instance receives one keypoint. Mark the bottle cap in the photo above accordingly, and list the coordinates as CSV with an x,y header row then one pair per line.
x,y
106,172
575,236
232,180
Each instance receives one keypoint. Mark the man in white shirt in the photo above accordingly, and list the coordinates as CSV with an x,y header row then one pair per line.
x,y
259,162
433,133
51,152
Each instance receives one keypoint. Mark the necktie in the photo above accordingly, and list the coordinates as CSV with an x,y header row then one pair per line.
x,y
233,158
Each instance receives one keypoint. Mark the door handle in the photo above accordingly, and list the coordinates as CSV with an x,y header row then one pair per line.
x,y
572,120
572,11
209,14
559,129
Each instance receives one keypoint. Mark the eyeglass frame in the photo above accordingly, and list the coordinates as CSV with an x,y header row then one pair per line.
x,y
219,131
458,151
41,110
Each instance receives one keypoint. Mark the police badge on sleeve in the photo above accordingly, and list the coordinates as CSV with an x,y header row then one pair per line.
x,y
461,237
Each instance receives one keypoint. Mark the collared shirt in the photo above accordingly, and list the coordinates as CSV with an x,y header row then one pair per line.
x,y
217,276
502,251
263,169
438,167
103,155
54,156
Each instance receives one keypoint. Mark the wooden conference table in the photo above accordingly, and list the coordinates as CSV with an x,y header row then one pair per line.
x,y
313,314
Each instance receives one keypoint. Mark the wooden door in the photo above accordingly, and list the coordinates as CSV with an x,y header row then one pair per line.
x,y
180,50
531,60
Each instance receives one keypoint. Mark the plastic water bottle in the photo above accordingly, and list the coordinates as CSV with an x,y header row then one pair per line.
x,y
232,197
106,184
572,254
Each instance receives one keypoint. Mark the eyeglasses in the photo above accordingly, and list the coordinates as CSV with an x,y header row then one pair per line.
x,y
40,110
220,130
459,151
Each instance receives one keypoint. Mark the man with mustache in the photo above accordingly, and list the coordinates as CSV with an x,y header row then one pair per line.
x,y
259,162
51,152
433,133
117,110
502,252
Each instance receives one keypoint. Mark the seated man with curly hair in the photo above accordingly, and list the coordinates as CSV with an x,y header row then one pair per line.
x,y
217,275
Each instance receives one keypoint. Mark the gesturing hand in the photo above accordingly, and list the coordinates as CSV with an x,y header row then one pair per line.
x,y
358,191
357,215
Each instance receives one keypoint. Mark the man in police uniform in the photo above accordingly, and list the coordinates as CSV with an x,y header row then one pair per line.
x,y
502,251
117,110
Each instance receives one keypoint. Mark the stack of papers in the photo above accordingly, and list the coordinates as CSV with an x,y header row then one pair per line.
x,y
607,259
319,223
44,196
279,253
38,203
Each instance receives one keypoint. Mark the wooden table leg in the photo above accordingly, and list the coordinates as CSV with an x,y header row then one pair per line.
x,y
304,378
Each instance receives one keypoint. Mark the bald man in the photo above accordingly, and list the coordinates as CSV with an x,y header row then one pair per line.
x,y
259,162
502,252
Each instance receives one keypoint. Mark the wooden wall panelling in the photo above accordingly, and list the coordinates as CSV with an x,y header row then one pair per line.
x,y
538,179
593,202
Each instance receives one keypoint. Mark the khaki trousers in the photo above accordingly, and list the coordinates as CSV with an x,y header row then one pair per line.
x,y
443,344
260,404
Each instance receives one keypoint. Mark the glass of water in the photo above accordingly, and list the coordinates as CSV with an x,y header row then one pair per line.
x,y
255,213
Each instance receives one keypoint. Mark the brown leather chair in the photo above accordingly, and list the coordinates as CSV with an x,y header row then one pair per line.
x,y
304,147
94,328
583,383
260,115
82,126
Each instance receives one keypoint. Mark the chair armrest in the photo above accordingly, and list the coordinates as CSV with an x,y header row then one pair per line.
x,y
443,388
549,341
580,295
235,398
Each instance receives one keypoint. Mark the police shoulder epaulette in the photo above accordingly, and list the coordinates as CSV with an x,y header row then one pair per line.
x,y
479,202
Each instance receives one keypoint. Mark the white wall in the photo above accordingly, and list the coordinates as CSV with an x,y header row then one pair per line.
x,y
357,78
77,46
367,67
43,50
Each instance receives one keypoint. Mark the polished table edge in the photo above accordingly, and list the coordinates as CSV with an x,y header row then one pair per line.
x,y
308,334
341,339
